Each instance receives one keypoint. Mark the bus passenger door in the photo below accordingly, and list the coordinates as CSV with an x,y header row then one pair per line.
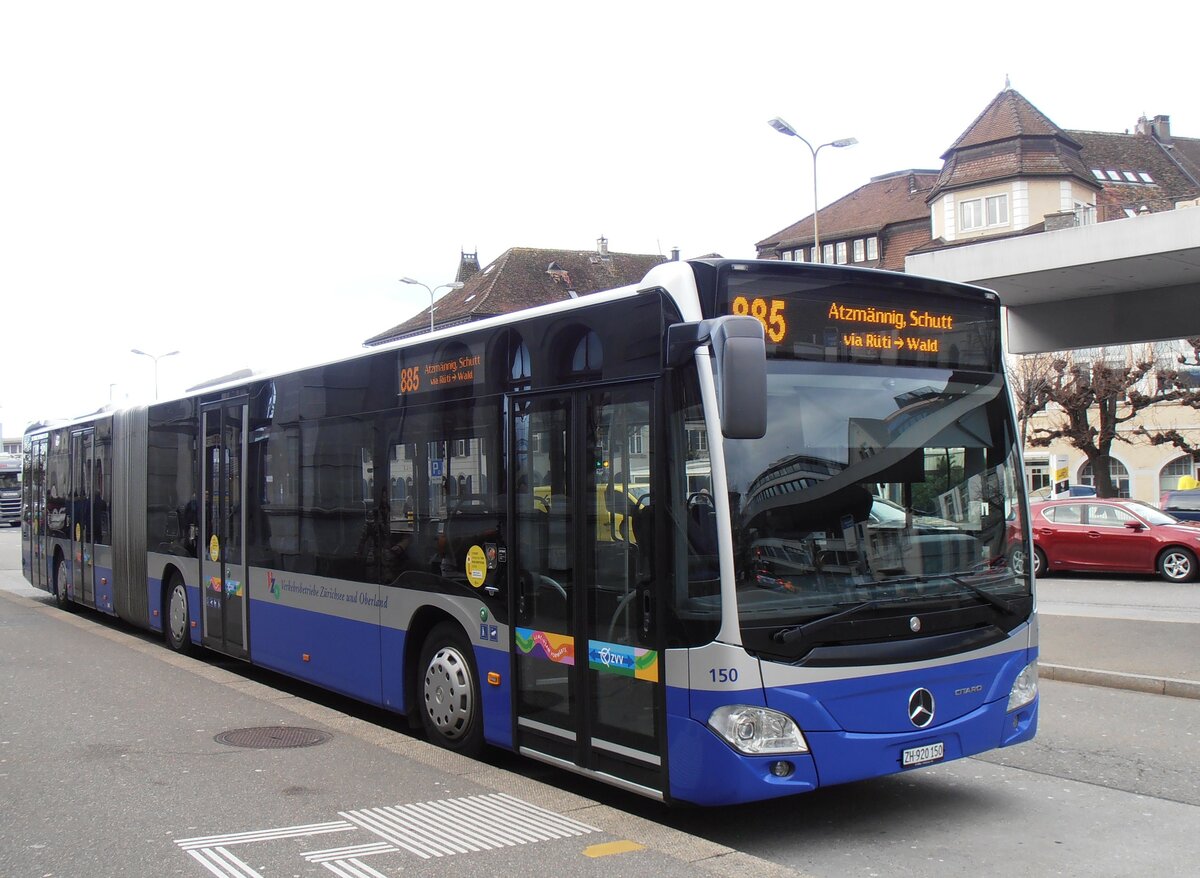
x,y
39,538
586,638
222,565
80,518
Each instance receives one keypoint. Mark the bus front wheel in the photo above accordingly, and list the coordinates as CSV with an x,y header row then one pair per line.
x,y
178,623
449,691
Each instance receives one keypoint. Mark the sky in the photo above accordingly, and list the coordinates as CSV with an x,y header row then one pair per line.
x,y
245,182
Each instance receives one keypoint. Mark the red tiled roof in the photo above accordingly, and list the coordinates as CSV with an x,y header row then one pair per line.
x,y
524,277
1010,138
1138,154
1008,116
1186,151
892,198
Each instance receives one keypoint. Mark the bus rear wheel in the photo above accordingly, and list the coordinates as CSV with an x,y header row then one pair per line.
x,y
451,711
61,585
177,629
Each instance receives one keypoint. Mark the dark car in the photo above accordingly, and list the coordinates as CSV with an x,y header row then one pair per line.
x,y
1115,536
1182,504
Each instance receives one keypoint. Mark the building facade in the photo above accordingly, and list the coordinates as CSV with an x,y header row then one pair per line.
x,y
1015,172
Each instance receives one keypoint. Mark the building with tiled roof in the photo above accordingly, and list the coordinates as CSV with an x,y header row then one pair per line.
x,y
524,277
1013,171
875,226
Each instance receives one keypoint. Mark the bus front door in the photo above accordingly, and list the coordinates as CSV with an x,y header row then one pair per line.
x,y
586,635
222,564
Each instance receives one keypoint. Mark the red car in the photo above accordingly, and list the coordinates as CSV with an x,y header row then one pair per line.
x,y
1115,536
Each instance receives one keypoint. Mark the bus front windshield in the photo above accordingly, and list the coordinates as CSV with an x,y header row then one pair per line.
x,y
876,490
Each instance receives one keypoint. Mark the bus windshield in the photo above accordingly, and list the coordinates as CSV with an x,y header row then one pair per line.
x,y
875,487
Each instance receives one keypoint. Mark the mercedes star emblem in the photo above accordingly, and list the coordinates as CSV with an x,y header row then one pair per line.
x,y
920,708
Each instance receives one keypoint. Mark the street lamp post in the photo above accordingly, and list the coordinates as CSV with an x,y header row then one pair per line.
x,y
784,128
453,285
155,359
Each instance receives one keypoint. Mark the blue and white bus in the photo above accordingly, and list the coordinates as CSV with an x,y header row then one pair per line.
x,y
738,531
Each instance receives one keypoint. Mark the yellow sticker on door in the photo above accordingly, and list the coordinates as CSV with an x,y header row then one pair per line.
x,y
214,548
476,566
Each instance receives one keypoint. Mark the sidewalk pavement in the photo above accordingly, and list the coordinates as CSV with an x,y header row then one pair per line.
x,y
1157,657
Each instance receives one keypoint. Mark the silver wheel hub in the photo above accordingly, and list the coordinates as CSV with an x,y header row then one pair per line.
x,y
178,612
1176,565
449,694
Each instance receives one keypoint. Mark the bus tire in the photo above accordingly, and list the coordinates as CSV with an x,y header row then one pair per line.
x,y
448,691
177,627
61,584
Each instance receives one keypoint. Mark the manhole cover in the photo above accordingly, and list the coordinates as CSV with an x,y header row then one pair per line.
x,y
273,737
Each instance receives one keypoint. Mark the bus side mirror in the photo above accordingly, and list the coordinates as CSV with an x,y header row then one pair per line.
x,y
740,358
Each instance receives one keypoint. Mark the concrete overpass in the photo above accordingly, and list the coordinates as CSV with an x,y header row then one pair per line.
x,y
1113,283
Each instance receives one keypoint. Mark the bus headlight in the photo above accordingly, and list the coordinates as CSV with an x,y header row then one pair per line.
x,y
757,731
1024,688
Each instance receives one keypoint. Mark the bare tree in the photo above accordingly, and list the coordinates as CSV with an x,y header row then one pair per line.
x,y
1182,386
1030,376
1098,391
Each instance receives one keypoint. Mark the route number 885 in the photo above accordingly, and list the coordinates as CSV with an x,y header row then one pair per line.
x,y
410,379
769,314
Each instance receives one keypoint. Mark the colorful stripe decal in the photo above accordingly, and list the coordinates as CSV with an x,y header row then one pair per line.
x,y
558,648
628,661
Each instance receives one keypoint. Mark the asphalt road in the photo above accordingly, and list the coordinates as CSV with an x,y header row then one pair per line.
x,y
108,766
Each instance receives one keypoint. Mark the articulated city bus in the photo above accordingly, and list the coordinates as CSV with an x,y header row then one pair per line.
x,y
738,531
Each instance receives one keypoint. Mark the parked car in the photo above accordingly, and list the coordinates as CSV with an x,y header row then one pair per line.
x,y
1184,505
1116,536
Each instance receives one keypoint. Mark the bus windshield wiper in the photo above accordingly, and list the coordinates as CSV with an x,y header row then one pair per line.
x,y
984,595
796,632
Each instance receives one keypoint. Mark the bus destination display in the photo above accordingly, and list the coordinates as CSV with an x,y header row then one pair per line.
x,y
848,324
906,326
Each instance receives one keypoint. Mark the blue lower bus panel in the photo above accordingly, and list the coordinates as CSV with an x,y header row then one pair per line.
x,y
856,728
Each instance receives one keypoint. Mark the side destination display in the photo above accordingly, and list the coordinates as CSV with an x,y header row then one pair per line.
x,y
421,372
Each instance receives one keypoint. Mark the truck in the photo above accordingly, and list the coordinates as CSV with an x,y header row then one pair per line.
x,y
10,489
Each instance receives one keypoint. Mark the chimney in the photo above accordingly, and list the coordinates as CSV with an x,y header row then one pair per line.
x,y
1161,127
674,254
602,246
1143,126
468,266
